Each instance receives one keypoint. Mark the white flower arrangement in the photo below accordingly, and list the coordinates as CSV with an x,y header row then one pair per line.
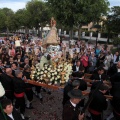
x,y
52,75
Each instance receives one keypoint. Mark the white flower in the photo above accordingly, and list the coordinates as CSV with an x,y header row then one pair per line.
x,y
52,78
41,72
66,80
58,77
33,71
55,82
38,70
58,70
52,74
49,83
55,78
37,77
49,69
44,75
49,76
59,66
45,71
55,73
45,67
38,73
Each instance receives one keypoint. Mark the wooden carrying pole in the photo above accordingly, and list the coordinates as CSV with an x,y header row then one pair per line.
x,y
85,93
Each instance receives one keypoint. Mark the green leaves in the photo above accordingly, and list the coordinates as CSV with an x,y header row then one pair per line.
x,y
72,12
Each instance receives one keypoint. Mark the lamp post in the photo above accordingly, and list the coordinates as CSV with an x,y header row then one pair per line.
x,y
96,39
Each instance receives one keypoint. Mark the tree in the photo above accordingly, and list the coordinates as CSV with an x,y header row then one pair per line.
x,y
39,13
8,16
75,13
2,20
113,21
23,19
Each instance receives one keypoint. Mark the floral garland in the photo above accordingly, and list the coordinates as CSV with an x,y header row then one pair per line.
x,y
52,74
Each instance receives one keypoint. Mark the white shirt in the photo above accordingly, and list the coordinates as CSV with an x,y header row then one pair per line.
x,y
74,105
77,68
114,59
118,70
2,91
11,116
100,77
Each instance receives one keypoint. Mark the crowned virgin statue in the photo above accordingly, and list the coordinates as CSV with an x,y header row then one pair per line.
x,y
52,37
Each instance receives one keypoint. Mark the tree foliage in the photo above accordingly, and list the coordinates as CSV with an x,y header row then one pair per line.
x,y
39,13
78,12
113,20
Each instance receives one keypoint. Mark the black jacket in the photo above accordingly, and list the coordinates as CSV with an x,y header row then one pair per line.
x,y
83,85
70,112
98,102
112,70
115,91
16,116
19,85
74,68
27,75
96,77
6,81
67,88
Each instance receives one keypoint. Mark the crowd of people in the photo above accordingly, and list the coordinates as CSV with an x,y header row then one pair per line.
x,y
15,68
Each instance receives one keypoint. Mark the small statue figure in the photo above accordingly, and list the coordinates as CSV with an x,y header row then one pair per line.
x,y
53,22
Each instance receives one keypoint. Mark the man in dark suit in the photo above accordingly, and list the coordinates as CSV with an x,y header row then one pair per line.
x,y
98,103
114,69
115,91
9,113
7,82
99,76
71,110
26,62
76,67
14,67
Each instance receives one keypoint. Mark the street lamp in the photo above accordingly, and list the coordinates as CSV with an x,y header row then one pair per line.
x,y
96,38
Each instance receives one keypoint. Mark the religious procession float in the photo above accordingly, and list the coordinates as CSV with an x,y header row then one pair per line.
x,y
56,74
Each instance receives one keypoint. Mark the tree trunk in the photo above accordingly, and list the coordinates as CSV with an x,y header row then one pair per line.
x,y
7,32
41,32
26,30
71,34
79,32
108,39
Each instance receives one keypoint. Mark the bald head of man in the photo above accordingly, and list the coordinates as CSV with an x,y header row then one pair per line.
x,y
8,71
118,65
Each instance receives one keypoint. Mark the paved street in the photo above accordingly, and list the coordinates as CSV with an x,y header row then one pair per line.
x,y
51,108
